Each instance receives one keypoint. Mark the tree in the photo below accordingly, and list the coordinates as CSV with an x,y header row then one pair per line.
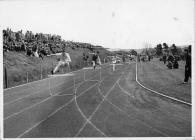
x,y
133,52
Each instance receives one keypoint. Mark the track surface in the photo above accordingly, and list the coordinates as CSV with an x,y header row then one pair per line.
x,y
115,106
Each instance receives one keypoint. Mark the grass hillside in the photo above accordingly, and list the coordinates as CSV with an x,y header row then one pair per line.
x,y
20,66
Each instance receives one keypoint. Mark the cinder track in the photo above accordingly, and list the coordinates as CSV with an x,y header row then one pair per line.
x,y
116,106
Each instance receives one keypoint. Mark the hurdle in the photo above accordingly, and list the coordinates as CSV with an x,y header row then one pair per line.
x,y
91,68
114,66
61,75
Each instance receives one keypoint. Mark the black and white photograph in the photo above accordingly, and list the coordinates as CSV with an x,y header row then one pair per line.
x,y
97,69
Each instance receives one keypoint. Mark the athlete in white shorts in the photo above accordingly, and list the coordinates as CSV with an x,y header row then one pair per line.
x,y
64,60
114,62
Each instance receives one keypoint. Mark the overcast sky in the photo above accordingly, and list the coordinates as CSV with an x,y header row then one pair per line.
x,y
110,23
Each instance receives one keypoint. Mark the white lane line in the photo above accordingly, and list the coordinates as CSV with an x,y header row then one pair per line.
x,y
90,68
87,120
92,80
90,117
40,102
27,108
169,97
10,94
62,95
34,93
137,119
126,92
37,124
38,81
105,97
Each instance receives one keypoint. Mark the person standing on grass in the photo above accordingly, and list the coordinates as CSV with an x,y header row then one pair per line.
x,y
164,58
63,61
170,60
95,59
188,65
123,58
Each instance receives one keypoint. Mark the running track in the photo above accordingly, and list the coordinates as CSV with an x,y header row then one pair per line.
x,y
114,106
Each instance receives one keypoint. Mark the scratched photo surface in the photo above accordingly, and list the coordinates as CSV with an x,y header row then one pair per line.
x,y
97,69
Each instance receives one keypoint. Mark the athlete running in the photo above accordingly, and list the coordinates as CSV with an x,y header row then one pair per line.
x,y
95,59
63,61
114,61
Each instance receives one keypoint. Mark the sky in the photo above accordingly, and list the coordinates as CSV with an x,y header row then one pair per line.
x,y
124,24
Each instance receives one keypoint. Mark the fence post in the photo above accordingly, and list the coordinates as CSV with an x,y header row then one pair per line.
x,y
27,77
52,66
41,72
6,80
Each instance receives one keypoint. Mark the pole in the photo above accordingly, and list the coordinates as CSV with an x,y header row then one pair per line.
x,y
100,73
6,80
52,66
84,74
74,86
50,79
41,72
50,86
27,77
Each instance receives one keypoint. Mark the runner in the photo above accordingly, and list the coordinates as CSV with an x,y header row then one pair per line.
x,y
114,61
95,59
63,61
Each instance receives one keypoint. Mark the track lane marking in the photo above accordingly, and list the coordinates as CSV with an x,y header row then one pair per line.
x,y
37,81
16,113
87,119
37,124
34,105
105,97
91,116
33,93
18,92
126,92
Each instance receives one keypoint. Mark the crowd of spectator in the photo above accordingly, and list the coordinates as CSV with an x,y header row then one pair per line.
x,y
171,55
38,44
32,44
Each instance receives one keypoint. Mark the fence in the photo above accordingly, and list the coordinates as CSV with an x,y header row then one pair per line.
x,y
14,78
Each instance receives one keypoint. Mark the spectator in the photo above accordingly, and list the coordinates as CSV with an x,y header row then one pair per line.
x,y
170,60
188,65
123,58
164,58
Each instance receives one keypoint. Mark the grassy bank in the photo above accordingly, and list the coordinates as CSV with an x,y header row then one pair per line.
x,y
22,69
